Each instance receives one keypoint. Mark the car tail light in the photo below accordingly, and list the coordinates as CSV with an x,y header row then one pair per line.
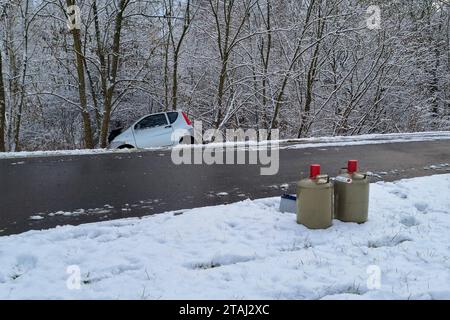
x,y
186,118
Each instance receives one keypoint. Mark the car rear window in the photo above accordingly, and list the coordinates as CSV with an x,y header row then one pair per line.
x,y
172,116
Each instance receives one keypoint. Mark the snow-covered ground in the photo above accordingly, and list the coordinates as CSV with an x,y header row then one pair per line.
x,y
366,139
244,250
317,142
77,152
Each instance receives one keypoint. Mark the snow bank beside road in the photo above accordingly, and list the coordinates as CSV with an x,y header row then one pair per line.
x,y
317,142
245,250
55,153
366,139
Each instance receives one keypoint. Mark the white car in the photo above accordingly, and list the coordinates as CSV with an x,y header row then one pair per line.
x,y
156,130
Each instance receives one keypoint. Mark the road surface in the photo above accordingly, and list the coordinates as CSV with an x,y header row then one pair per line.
x,y
43,192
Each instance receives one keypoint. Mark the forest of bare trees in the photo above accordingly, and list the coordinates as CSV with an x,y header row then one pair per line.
x,y
306,67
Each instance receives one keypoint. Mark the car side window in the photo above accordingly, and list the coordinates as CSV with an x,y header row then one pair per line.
x,y
156,120
172,116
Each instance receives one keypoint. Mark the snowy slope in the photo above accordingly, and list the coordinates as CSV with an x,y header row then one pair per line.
x,y
245,250
315,142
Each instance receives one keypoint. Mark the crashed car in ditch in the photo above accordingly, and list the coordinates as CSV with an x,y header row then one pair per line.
x,y
155,130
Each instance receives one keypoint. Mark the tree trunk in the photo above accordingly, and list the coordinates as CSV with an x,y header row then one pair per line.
x,y
102,59
175,82
166,74
107,106
220,92
176,50
295,57
22,98
88,140
2,108
13,82
265,56
311,78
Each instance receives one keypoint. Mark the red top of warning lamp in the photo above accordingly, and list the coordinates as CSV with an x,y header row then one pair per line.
x,y
352,166
314,170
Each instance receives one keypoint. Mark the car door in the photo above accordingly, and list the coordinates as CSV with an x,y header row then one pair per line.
x,y
153,131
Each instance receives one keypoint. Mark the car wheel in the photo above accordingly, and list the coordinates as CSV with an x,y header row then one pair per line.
x,y
126,146
187,140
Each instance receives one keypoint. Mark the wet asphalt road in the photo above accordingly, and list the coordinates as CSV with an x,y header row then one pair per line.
x,y
87,188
